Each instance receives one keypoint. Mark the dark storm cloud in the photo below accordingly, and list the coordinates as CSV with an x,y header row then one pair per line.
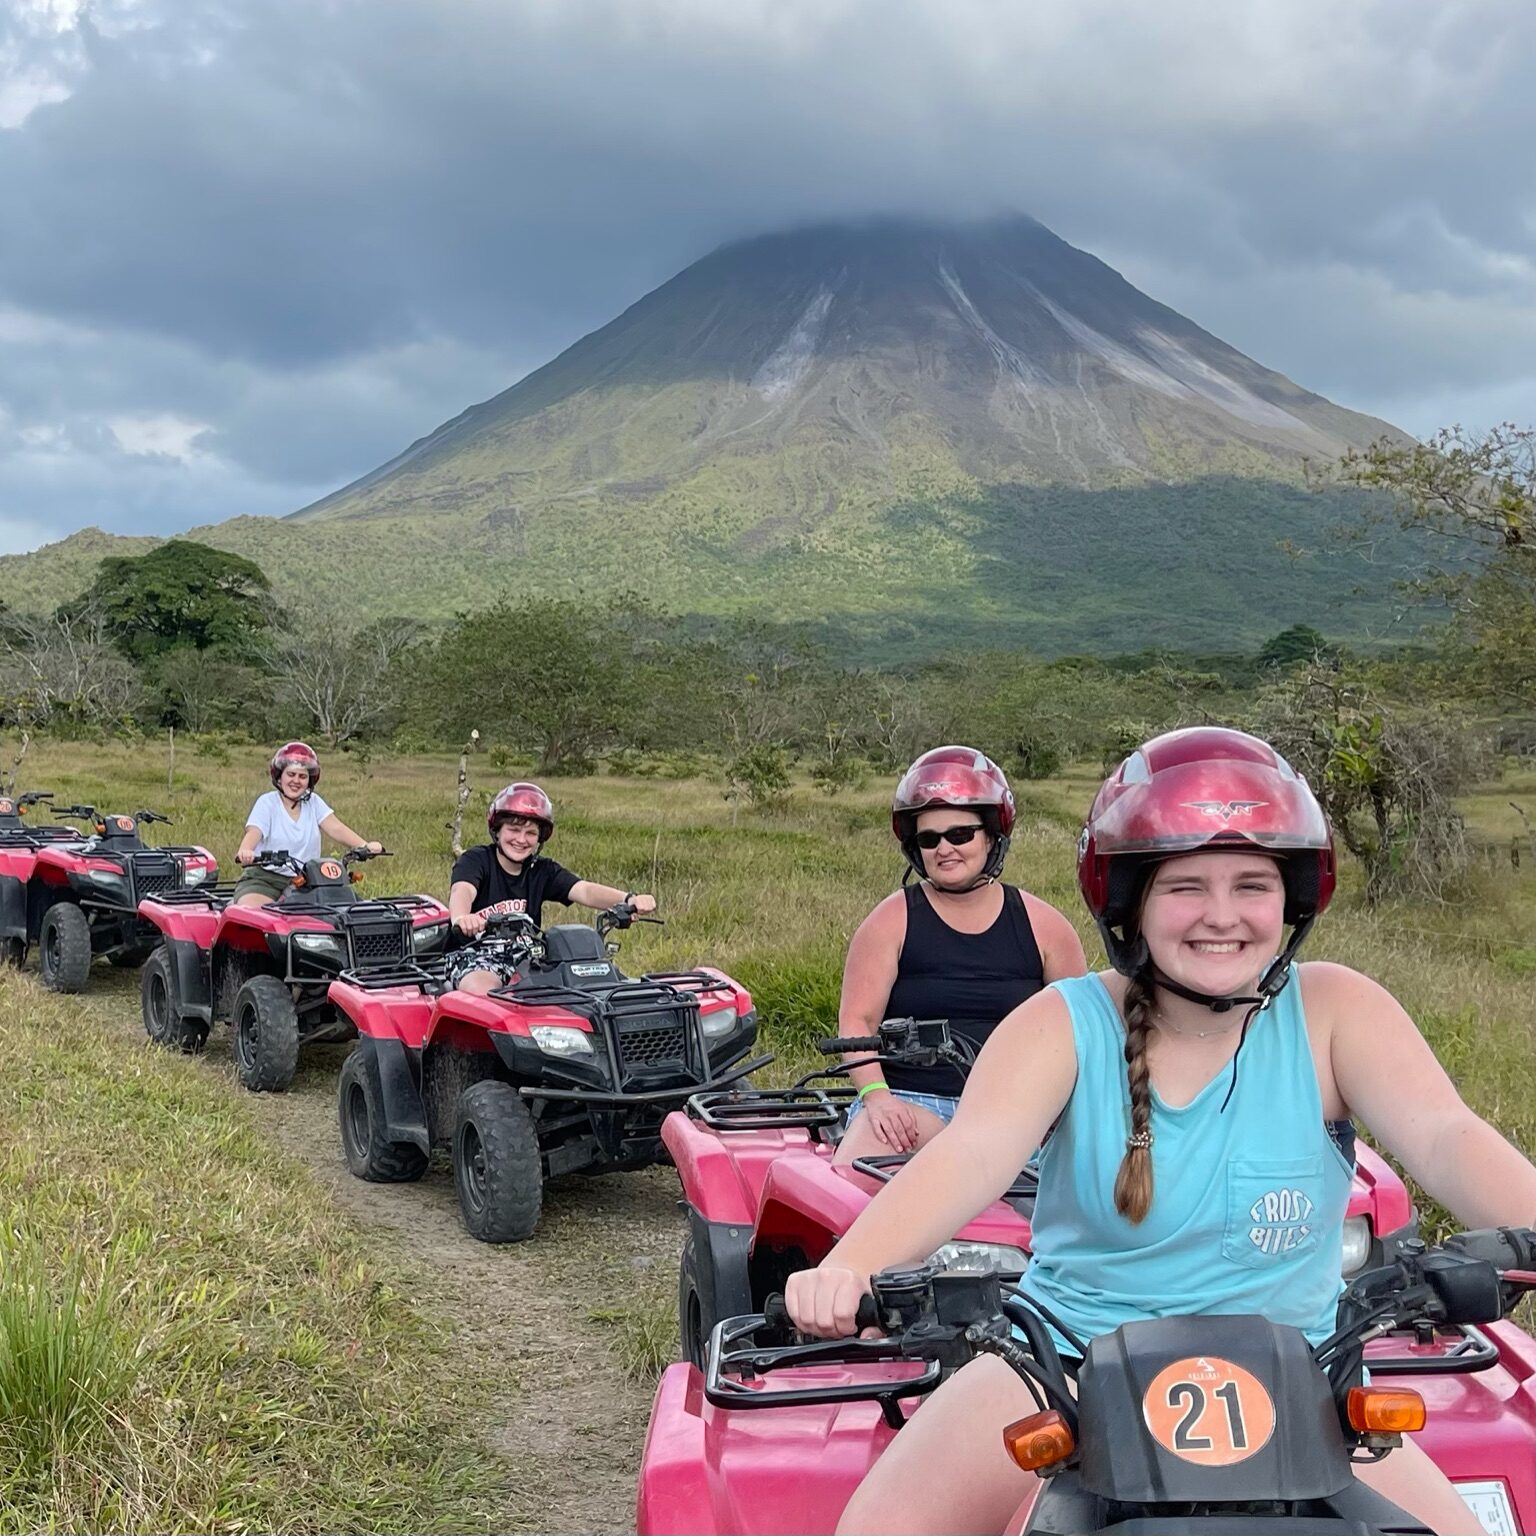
x,y
255,247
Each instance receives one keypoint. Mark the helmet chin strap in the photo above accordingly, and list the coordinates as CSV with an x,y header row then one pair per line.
x,y
991,871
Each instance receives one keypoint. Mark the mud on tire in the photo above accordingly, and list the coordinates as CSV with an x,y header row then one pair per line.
x,y
266,1035
64,948
359,1105
497,1169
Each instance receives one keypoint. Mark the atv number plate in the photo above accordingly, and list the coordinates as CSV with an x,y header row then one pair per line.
x,y
331,870
124,823
1208,1411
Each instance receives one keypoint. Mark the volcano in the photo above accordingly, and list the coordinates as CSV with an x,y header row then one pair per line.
x,y
902,435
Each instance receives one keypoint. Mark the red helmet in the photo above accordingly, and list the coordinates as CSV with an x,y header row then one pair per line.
x,y
295,754
522,800
1194,790
954,776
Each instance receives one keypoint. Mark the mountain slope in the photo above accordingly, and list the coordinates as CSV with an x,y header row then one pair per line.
x,y
975,429
997,350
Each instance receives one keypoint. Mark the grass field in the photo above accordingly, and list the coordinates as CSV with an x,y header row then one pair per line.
x,y
193,1337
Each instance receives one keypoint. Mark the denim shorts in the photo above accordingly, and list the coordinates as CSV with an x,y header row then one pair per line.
x,y
934,1103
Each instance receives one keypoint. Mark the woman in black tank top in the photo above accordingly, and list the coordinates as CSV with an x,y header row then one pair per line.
x,y
957,945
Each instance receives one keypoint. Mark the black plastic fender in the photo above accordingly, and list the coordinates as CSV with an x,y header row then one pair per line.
x,y
721,1250
399,1091
189,965
13,909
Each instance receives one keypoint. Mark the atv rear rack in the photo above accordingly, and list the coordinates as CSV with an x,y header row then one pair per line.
x,y
886,1165
765,1109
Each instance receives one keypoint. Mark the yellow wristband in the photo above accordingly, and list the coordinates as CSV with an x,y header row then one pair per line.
x,y
874,1088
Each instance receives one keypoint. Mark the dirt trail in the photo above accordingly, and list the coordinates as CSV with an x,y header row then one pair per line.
x,y
571,1423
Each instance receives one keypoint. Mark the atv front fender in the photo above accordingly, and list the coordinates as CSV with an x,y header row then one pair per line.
x,y
405,1116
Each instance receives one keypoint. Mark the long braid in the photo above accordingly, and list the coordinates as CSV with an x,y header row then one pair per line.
x,y
1133,1183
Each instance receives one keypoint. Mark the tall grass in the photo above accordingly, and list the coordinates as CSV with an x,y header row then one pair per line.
x,y
63,1359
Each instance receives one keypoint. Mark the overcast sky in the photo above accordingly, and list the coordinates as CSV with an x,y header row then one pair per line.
x,y
250,249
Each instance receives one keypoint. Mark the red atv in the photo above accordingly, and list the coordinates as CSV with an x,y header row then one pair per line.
x,y
80,897
266,970
569,1068
1181,1424
763,1197
19,844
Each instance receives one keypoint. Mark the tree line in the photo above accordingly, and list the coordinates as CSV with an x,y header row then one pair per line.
x,y
192,638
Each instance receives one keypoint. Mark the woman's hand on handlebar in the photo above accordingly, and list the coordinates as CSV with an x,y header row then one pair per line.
x,y
892,1120
470,923
825,1301
245,856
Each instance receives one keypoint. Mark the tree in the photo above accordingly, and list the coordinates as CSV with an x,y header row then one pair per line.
x,y
63,672
1386,773
201,691
547,674
182,593
344,679
1298,643
1476,496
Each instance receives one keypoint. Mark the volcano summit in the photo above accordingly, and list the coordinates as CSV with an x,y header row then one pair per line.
x,y
889,428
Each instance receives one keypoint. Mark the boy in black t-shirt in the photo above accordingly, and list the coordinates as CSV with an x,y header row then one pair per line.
x,y
509,874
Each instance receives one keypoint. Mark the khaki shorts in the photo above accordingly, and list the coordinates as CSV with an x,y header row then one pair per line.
x,y
268,882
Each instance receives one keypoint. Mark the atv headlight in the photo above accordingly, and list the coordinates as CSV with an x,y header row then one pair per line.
x,y
318,943
721,1022
1357,1245
977,1258
194,874
105,880
428,937
560,1040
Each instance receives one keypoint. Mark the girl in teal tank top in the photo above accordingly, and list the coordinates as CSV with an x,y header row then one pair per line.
x,y
1250,1198
1189,1169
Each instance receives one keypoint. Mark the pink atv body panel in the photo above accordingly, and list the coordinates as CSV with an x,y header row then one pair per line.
x,y
735,1472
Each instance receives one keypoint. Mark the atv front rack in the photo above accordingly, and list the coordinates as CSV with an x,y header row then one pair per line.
x,y
216,896
430,976
645,994
765,1109
305,908
600,1099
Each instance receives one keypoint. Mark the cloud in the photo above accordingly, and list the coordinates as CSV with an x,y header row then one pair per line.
x,y
316,230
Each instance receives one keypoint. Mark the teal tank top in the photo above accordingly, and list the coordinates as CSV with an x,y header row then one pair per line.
x,y
1248,1206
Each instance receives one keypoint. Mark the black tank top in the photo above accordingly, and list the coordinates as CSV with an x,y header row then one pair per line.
x,y
975,980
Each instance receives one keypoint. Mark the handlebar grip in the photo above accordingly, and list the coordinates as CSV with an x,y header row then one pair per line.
x,y
845,1043
776,1314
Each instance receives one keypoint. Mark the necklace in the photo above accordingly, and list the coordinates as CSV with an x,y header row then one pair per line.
x,y
1195,1034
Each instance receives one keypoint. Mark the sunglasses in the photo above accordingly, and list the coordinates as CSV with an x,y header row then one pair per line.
x,y
956,837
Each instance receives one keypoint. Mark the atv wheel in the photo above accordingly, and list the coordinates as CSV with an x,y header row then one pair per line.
x,y
368,1153
497,1169
266,1035
164,1021
13,952
64,948
693,1328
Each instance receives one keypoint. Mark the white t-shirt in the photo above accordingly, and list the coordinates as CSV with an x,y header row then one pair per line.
x,y
280,831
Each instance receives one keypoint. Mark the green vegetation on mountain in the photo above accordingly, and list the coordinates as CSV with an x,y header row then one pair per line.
x,y
900,435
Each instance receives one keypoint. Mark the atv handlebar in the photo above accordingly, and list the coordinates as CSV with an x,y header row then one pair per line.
x,y
151,816
622,915
361,855
85,812
776,1314
32,796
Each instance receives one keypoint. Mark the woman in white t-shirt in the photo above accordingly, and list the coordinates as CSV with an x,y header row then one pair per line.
x,y
289,818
